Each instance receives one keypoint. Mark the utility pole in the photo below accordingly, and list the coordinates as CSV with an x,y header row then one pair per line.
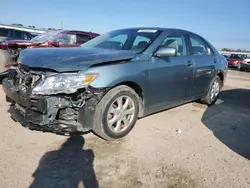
x,y
62,25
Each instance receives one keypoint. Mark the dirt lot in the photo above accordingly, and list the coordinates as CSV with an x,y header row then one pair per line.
x,y
188,146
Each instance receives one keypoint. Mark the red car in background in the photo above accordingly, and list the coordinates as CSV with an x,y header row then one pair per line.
x,y
59,38
234,60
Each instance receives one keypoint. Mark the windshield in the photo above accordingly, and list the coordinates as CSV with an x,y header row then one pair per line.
x,y
48,36
128,39
55,36
235,56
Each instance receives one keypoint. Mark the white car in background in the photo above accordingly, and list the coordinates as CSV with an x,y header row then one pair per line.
x,y
245,64
5,58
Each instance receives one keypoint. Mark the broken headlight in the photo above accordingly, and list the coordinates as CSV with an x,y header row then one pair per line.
x,y
63,83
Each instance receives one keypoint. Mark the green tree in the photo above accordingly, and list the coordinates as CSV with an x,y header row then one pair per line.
x,y
17,24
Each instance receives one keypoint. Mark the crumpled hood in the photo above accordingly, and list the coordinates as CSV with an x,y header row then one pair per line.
x,y
71,59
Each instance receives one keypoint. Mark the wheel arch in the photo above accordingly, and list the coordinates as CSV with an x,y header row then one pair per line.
x,y
139,92
221,76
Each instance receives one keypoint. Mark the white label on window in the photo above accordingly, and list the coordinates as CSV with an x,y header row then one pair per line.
x,y
147,30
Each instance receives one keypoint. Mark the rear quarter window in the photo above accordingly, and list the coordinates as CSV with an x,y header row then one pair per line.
x,y
80,39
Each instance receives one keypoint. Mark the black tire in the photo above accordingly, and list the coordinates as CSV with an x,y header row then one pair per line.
x,y
100,126
207,99
239,67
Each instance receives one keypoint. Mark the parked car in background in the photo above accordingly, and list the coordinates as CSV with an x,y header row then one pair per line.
x,y
14,34
226,56
5,59
110,81
234,60
6,36
60,38
244,56
31,29
245,63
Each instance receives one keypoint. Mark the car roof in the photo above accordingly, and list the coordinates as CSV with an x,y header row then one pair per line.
x,y
160,29
2,28
82,32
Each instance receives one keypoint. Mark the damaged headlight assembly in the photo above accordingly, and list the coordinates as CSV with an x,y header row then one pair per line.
x,y
63,83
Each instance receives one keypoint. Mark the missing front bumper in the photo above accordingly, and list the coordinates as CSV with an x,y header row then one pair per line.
x,y
50,113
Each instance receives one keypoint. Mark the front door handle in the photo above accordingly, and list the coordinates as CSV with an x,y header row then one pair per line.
x,y
189,63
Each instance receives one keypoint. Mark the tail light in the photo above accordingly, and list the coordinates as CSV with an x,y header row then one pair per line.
x,y
3,45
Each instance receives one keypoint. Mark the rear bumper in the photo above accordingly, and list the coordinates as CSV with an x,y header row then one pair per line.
x,y
44,112
233,64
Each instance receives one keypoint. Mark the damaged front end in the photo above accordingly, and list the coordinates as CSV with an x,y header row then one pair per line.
x,y
51,101
15,50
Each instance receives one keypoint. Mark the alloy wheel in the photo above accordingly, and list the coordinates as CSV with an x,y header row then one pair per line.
x,y
215,90
121,114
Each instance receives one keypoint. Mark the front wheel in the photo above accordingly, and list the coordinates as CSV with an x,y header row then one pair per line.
x,y
213,92
240,67
116,113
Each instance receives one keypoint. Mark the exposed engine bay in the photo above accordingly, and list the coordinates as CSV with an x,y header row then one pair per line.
x,y
60,113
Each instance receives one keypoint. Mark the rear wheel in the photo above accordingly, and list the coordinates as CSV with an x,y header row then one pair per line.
x,y
116,113
213,92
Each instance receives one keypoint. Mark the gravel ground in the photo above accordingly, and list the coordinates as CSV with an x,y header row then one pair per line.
x,y
190,146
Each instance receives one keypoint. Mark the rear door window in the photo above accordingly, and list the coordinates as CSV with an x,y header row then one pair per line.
x,y
16,34
199,46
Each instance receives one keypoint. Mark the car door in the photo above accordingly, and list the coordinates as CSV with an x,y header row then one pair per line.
x,y
171,78
16,35
204,68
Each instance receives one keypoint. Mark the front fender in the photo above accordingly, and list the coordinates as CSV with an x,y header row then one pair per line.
x,y
112,74
136,72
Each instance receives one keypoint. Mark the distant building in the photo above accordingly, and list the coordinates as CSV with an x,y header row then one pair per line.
x,y
22,28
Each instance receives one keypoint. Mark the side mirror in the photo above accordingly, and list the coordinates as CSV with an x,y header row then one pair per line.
x,y
166,52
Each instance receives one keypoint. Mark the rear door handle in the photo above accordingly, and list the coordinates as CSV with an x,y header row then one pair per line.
x,y
189,63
